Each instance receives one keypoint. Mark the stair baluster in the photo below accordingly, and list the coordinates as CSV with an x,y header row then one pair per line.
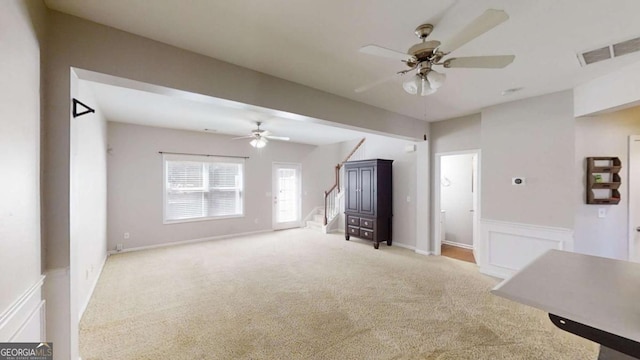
x,y
331,203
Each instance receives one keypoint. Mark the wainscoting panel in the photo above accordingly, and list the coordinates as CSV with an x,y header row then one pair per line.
x,y
508,247
24,320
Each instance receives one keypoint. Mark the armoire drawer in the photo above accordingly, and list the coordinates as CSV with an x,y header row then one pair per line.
x,y
352,230
353,221
366,234
366,223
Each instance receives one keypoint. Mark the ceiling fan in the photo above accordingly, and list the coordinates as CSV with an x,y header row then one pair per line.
x,y
423,56
261,137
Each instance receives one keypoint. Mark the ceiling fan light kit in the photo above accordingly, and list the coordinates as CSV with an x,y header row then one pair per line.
x,y
260,138
418,85
258,143
423,56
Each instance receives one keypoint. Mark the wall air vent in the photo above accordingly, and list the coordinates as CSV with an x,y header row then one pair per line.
x,y
609,51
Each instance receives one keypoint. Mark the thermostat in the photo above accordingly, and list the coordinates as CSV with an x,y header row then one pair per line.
x,y
519,180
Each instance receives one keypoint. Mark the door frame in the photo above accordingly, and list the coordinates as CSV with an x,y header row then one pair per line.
x,y
274,165
632,211
435,218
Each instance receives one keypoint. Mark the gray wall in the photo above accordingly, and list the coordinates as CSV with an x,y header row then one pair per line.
x,y
533,138
83,44
135,183
457,134
603,135
22,22
318,174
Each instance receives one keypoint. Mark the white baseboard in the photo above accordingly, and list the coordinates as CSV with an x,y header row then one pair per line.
x,y
500,274
457,244
505,247
410,247
422,252
23,320
85,302
184,242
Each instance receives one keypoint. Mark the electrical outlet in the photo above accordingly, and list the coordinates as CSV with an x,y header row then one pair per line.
x,y
119,247
126,235
86,275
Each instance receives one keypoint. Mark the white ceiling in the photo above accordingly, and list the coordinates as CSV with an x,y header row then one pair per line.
x,y
161,107
316,43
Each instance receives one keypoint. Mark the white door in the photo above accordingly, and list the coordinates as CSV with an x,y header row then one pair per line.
x,y
634,198
286,195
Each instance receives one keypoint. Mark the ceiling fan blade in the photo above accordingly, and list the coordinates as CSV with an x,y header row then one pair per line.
x,y
482,62
283,138
384,52
376,83
483,23
243,137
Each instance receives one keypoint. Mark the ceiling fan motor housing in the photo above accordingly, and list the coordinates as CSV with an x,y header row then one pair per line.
x,y
424,50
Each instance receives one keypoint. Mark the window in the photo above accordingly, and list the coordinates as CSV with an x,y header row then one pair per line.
x,y
200,188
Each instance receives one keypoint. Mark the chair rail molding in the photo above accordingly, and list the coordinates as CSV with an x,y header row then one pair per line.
x,y
507,247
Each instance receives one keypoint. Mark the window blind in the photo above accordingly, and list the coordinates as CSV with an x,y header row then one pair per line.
x,y
202,187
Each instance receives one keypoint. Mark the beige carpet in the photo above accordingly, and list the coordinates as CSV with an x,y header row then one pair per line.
x,y
298,294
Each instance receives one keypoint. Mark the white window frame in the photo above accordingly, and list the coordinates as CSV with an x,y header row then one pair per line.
x,y
199,158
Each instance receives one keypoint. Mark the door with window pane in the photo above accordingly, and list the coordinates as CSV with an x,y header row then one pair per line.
x,y
286,195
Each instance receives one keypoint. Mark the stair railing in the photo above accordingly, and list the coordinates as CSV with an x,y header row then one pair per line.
x,y
331,203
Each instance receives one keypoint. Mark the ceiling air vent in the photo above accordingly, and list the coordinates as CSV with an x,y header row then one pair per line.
x,y
626,47
610,51
592,56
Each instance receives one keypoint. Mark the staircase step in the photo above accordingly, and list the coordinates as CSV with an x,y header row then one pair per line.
x,y
318,218
316,225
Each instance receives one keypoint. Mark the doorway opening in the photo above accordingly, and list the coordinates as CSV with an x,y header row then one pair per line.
x,y
457,205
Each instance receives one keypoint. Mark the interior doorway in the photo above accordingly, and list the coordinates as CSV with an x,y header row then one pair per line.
x,y
287,182
634,198
457,204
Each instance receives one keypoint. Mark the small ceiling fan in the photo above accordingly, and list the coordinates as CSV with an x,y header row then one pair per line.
x,y
423,56
261,137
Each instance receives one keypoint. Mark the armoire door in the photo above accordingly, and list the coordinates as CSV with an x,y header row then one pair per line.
x,y
367,190
353,195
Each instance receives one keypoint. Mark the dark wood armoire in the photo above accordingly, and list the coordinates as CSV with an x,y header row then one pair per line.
x,y
368,200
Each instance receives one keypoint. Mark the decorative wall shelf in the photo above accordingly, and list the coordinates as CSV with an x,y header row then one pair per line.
x,y
603,176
